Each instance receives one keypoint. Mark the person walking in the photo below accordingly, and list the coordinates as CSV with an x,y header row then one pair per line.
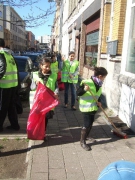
x,y
59,59
87,104
8,86
69,76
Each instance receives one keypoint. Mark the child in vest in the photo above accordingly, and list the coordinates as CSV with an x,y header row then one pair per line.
x,y
54,64
70,78
49,79
87,104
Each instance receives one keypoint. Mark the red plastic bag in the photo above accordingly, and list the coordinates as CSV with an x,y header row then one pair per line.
x,y
44,101
60,84
36,126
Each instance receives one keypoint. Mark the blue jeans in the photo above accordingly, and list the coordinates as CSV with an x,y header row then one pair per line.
x,y
73,93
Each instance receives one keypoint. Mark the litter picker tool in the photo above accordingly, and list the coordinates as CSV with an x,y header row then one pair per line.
x,y
115,130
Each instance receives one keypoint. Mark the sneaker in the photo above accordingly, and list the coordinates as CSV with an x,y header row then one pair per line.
x,y
65,106
73,108
13,128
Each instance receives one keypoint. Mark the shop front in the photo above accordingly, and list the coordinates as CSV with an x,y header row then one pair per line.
x,y
91,20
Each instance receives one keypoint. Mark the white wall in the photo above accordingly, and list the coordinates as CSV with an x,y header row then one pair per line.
x,y
127,106
127,99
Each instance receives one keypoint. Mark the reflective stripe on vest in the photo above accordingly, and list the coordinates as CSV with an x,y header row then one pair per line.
x,y
10,78
86,101
67,69
88,105
88,97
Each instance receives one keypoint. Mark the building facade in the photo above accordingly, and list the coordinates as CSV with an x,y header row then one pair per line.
x,y
14,23
1,22
30,40
56,28
101,32
44,39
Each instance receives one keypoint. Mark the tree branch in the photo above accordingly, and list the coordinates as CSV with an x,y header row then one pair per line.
x,y
30,19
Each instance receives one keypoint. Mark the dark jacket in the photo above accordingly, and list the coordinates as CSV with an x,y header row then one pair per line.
x,y
3,65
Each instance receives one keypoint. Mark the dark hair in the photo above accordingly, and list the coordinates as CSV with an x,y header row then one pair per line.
x,y
71,52
2,42
45,60
100,71
52,56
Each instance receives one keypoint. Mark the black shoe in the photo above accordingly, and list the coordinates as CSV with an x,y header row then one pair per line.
x,y
13,128
85,146
1,129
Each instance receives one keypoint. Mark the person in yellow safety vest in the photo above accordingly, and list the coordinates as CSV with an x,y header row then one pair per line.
x,y
87,104
54,64
46,77
8,86
69,76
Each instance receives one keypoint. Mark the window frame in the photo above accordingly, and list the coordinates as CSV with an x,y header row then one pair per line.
x,y
130,5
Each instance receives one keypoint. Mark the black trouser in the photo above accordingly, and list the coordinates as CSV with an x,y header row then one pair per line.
x,y
49,115
88,119
7,106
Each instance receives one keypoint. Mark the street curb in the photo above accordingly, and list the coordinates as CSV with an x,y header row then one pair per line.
x,y
29,159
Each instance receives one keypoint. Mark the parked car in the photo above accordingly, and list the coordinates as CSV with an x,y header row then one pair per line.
x,y
17,53
35,59
25,67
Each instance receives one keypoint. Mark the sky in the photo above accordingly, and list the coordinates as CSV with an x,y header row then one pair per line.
x,y
44,5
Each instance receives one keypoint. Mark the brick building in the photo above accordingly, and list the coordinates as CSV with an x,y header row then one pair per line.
x,y
30,40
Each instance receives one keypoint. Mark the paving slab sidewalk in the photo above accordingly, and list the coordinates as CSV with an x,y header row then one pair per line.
x,y
62,158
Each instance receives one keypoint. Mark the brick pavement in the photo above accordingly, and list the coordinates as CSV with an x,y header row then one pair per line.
x,y
62,158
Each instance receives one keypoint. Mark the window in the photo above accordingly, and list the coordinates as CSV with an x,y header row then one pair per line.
x,y
128,52
130,62
91,49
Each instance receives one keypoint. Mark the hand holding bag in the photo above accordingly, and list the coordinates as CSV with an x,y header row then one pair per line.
x,y
36,119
